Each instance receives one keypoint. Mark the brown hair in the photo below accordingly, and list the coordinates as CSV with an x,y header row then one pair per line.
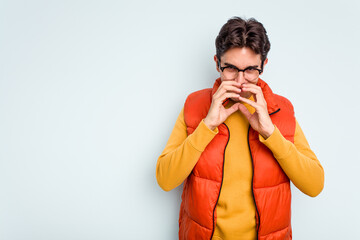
x,y
238,32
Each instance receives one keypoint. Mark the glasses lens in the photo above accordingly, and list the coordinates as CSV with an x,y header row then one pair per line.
x,y
251,74
230,73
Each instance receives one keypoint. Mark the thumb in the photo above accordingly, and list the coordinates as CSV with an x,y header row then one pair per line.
x,y
244,111
232,109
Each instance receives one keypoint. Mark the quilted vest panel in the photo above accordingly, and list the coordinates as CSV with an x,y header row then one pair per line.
x,y
271,186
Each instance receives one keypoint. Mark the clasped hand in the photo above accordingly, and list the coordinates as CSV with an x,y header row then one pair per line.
x,y
260,120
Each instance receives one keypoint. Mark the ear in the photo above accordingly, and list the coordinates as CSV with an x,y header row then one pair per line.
x,y
217,63
265,62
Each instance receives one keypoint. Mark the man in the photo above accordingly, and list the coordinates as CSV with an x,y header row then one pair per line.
x,y
236,146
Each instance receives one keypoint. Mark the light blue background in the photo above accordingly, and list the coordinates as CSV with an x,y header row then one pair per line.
x,y
90,91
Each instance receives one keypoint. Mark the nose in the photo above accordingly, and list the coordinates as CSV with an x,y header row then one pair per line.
x,y
240,78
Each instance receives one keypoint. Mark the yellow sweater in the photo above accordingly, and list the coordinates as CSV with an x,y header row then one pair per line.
x,y
236,209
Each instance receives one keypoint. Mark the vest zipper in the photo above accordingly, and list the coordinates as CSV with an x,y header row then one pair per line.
x,y
222,179
274,112
252,181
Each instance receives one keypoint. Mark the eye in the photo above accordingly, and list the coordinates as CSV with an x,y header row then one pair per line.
x,y
251,70
231,69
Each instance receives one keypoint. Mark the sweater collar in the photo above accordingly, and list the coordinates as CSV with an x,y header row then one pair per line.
x,y
272,106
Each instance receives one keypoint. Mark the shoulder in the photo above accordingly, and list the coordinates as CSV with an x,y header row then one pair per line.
x,y
199,98
284,102
200,94
196,106
285,118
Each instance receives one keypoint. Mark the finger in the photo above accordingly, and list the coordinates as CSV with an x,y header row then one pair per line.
x,y
232,109
244,111
230,83
228,87
255,90
251,88
226,95
248,101
231,88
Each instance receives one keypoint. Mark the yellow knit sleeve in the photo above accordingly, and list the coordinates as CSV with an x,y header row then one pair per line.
x,y
181,153
297,160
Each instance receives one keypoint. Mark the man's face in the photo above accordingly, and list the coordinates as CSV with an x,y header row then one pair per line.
x,y
241,58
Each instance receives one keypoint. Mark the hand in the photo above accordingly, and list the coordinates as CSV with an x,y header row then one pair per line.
x,y
260,120
218,113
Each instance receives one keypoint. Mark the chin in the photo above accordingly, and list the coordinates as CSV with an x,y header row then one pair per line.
x,y
245,95
235,99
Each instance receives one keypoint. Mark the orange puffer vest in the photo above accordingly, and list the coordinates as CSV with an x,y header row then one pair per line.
x,y
271,186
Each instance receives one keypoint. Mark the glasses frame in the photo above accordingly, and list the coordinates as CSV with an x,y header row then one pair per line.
x,y
239,70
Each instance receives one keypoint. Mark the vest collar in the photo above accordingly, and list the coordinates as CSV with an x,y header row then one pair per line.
x,y
272,106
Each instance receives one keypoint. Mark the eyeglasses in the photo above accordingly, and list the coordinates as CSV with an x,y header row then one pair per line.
x,y
231,72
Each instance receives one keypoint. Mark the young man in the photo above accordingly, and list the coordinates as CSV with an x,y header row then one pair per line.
x,y
237,146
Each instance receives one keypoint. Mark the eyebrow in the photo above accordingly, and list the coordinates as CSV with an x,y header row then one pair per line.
x,y
231,65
